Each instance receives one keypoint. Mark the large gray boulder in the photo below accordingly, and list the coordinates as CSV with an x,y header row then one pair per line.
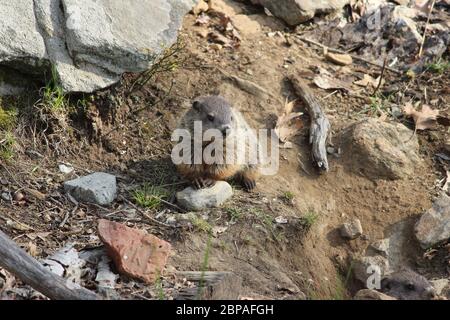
x,y
90,44
21,45
294,12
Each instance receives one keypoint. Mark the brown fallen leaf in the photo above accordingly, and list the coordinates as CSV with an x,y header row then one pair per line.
x,y
202,19
340,59
368,80
424,119
32,249
446,182
18,225
35,194
324,80
289,123
221,39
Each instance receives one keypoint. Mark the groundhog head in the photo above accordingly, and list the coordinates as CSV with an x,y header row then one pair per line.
x,y
215,113
407,285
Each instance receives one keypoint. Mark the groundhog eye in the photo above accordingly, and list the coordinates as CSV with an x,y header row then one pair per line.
x,y
410,286
210,117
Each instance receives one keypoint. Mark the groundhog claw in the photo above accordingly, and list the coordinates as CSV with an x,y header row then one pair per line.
x,y
249,184
201,183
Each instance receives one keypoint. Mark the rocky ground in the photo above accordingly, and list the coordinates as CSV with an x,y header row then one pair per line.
x,y
300,235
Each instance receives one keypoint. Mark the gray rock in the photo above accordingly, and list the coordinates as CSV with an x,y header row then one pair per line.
x,y
434,225
6,196
352,229
381,246
361,267
294,12
21,45
440,285
382,150
88,43
97,188
215,196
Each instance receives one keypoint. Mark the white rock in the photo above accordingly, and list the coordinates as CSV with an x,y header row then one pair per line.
x,y
440,285
65,169
215,196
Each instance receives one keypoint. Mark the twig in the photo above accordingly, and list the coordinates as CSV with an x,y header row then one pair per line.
x,y
66,217
351,55
381,76
145,214
426,27
329,95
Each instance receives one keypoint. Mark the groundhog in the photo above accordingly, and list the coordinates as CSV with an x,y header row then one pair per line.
x,y
214,112
407,285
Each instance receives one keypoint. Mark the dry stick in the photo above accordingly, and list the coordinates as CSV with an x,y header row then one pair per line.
x,y
426,27
146,215
68,214
351,55
381,76
29,270
320,125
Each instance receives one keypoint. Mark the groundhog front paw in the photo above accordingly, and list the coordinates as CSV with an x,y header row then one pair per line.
x,y
201,183
249,184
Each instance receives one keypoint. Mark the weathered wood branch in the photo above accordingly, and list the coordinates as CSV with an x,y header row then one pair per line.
x,y
30,271
320,125
211,285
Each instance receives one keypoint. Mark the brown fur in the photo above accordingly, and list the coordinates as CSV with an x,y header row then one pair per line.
x,y
224,116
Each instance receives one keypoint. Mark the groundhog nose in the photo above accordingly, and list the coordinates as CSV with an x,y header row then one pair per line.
x,y
226,129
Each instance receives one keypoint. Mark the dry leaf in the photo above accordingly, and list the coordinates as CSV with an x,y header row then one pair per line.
x,y
226,42
218,230
424,119
32,249
368,80
202,19
281,220
18,225
340,59
325,80
289,123
447,180
35,194
328,82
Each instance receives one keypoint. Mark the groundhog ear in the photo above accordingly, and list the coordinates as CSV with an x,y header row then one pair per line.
x,y
196,105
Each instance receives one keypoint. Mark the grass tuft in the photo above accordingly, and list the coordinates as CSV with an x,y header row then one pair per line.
x,y
439,66
309,219
7,143
149,196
